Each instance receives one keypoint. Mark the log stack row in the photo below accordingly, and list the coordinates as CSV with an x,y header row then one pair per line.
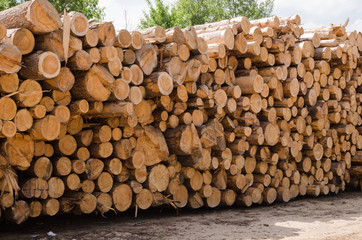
x,y
234,112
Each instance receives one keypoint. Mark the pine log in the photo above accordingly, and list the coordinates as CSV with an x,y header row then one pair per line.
x,y
54,42
41,65
39,16
21,38
78,24
10,58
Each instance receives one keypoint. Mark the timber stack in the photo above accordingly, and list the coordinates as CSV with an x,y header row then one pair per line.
x,y
236,112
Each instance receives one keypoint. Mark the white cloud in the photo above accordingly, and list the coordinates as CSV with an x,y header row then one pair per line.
x,y
313,13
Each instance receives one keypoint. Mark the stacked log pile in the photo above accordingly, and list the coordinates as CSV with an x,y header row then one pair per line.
x,y
233,112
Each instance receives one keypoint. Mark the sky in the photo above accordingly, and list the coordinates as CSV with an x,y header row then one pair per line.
x,y
313,13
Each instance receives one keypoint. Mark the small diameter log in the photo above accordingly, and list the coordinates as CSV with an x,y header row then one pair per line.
x,y
137,40
80,61
23,120
39,16
10,58
9,83
225,37
56,187
90,39
154,34
8,108
158,84
21,38
40,65
250,84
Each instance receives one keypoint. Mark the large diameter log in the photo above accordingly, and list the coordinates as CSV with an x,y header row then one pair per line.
x,y
271,134
39,16
35,188
106,33
10,58
184,140
94,85
174,35
54,42
151,148
30,93
40,65
250,84
78,24
21,38
19,150
122,197
47,128
158,178
147,58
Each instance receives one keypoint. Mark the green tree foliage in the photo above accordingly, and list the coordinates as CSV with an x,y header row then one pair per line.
x,y
160,14
89,8
192,12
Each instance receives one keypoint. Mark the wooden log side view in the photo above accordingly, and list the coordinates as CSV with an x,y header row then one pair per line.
x,y
234,112
154,34
225,37
250,84
39,16
41,65
54,42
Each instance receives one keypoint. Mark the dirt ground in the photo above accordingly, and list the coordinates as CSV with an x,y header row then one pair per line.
x,y
325,218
